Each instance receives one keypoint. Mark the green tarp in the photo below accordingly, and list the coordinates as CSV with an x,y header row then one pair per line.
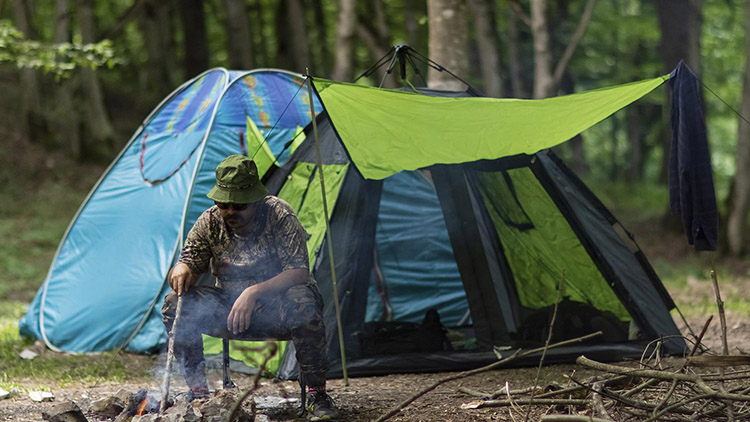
x,y
388,131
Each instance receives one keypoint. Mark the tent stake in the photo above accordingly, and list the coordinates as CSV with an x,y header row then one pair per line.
x,y
328,230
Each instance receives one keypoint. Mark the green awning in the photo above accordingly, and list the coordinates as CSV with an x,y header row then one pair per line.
x,y
388,131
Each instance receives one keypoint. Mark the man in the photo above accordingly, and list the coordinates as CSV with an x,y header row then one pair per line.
x,y
256,248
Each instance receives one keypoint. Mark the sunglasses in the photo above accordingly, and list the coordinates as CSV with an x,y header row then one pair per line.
x,y
226,206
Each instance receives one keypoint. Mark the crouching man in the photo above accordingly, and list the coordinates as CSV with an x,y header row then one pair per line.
x,y
256,248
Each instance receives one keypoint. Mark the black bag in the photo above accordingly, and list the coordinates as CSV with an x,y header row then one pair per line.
x,y
391,338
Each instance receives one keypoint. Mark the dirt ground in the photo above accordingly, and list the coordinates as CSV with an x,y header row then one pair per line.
x,y
367,398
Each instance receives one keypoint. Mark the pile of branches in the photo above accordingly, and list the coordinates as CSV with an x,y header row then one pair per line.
x,y
695,388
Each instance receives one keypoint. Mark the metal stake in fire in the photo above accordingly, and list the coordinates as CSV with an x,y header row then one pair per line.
x,y
170,354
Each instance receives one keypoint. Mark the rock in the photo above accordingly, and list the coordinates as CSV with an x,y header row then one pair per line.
x,y
66,411
27,354
41,396
108,407
4,394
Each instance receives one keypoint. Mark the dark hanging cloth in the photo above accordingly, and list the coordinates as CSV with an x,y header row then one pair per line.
x,y
691,185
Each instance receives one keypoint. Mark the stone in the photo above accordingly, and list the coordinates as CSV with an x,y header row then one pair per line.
x,y
66,411
40,396
27,354
108,407
4,394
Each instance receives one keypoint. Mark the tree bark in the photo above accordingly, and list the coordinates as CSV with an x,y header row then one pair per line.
x,y
680,25
737,229
300,43
65,116
31,103
99,135
195,41
377,38
514,56
157,27
488,42
239,43
447,43
343,67
258,22
323,53
543,79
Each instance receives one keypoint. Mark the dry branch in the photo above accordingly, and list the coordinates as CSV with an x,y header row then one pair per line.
x,y
525,402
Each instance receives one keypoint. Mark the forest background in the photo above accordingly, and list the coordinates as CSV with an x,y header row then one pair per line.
x,y
77,77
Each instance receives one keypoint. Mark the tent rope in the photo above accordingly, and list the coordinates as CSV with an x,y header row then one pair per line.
x,y
329,240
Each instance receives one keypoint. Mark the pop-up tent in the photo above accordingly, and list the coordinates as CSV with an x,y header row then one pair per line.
x,y
438,201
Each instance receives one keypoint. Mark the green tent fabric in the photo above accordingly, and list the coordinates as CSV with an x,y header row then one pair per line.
x,y
388,131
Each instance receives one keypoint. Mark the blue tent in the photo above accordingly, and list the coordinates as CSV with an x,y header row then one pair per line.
x,y
108,277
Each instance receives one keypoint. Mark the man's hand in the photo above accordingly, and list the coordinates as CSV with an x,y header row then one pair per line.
x,y
239,317
181,278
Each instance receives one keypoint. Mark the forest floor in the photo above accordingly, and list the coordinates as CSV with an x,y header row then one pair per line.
x,y
32,229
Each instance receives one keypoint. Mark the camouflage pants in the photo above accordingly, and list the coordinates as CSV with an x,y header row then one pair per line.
x,y
295,314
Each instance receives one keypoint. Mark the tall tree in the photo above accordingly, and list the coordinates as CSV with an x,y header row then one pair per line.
x,y
31,103
239,43
680,25
447,43
346,30
373,30
515,67
157,27
65,115
488,42
322,52
737,229
194,37
300,45
547,79
99,134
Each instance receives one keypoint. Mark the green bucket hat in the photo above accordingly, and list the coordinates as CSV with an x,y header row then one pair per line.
x,y
237,181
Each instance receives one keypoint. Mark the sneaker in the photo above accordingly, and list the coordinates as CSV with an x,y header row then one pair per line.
x,y
320,407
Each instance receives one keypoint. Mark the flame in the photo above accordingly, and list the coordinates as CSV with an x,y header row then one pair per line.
x,y
142,407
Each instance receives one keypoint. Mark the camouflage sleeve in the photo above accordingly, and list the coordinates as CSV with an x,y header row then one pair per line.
x,y
196,252
291,240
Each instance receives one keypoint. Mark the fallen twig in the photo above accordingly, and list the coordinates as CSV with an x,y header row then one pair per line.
x,y
517,354
525,402
272,349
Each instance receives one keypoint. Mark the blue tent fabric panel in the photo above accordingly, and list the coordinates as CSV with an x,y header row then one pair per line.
x,y
415,254
178,129
112,265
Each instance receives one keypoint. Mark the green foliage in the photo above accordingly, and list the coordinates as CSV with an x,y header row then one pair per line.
x,y
57,59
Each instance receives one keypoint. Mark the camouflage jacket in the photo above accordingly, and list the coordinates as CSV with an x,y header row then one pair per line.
x,y
277,243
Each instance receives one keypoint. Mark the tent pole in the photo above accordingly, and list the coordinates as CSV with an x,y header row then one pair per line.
x,y
328,230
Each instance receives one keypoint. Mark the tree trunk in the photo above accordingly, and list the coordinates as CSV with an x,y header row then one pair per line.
x,y
737,229
195,43
543,79
323,61
157,29
488,42
30,106
258,22
515,67
680,25
343,67
239,43
300,45
447,43
99,135
65,115
377,38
